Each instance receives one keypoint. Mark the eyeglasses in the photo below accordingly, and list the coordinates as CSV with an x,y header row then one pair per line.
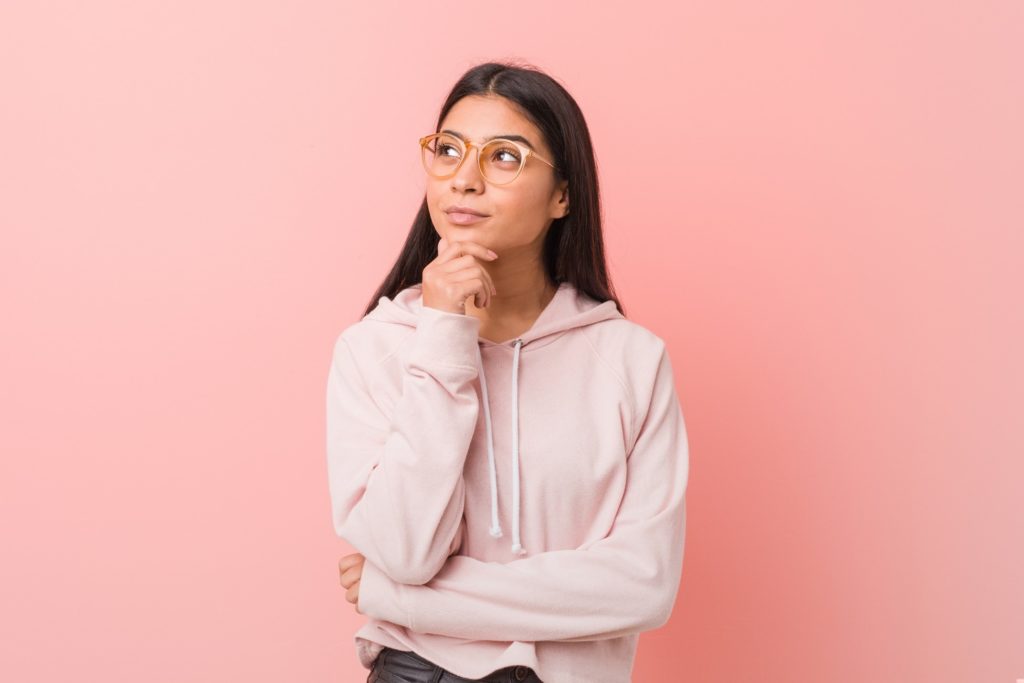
x,y
500,161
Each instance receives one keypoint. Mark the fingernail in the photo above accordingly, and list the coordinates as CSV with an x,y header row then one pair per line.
x,y
493,255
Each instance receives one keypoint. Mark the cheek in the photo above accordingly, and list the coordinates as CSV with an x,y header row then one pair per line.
x,y
535,197
433,200
432,195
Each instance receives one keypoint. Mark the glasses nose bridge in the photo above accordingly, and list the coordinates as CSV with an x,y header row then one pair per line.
x,y
468,146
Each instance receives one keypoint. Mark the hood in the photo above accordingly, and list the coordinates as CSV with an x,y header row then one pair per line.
x,y
566,311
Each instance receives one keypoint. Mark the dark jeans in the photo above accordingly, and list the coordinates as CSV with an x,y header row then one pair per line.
x,y
401,666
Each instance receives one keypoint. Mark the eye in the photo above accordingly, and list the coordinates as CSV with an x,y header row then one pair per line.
x,y
442,149
510,151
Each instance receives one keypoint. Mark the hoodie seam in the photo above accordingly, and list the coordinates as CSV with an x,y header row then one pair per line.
x,y
355,363
392,352
408,599
625,385
383,359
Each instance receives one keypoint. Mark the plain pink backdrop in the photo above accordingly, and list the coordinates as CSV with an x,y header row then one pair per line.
x,y
819,206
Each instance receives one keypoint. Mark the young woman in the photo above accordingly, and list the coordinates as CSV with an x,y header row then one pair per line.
x,y
506,451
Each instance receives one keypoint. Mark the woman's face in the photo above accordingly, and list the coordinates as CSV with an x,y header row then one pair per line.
x,y
518,213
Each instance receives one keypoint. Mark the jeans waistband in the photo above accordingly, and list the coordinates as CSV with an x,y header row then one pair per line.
x,y
404,666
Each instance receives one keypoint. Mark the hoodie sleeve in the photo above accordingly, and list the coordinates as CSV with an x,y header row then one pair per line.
x,y
395,480
621,584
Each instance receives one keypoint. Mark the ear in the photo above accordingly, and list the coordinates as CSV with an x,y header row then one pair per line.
x,y
560,207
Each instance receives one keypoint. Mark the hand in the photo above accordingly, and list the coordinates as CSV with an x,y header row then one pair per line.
x,y
456,274
350,567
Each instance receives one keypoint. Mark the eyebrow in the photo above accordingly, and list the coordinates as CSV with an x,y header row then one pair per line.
x,y
505,136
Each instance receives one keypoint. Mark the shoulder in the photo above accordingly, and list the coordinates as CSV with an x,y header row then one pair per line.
x,y
371,342
627,344
639,358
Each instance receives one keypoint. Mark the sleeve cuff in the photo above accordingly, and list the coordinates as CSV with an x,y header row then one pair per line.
x,y
444,338
381,597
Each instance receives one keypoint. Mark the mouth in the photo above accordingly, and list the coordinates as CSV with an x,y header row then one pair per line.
x,y
463,218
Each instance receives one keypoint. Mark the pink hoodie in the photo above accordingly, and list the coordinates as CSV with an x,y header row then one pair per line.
x,y
518,503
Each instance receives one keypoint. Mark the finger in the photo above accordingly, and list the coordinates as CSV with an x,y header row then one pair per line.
x,y
466,267
351,560
459,262
475,281
478,290
484,283
462,247
352,594
351,575
442,244
465,262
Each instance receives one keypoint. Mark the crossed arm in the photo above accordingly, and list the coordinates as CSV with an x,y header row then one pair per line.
x,y
624,583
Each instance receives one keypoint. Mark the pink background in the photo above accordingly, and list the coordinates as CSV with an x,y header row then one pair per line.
x,y
819,205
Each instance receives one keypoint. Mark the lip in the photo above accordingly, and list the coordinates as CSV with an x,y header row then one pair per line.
x,y
460,218
464,209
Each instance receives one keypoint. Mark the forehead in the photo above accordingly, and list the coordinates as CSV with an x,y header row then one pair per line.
x,y
479,118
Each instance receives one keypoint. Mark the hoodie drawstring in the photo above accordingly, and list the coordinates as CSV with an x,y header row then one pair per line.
x,y
495,530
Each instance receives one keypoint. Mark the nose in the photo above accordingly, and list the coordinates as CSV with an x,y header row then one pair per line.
x,y
468,175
